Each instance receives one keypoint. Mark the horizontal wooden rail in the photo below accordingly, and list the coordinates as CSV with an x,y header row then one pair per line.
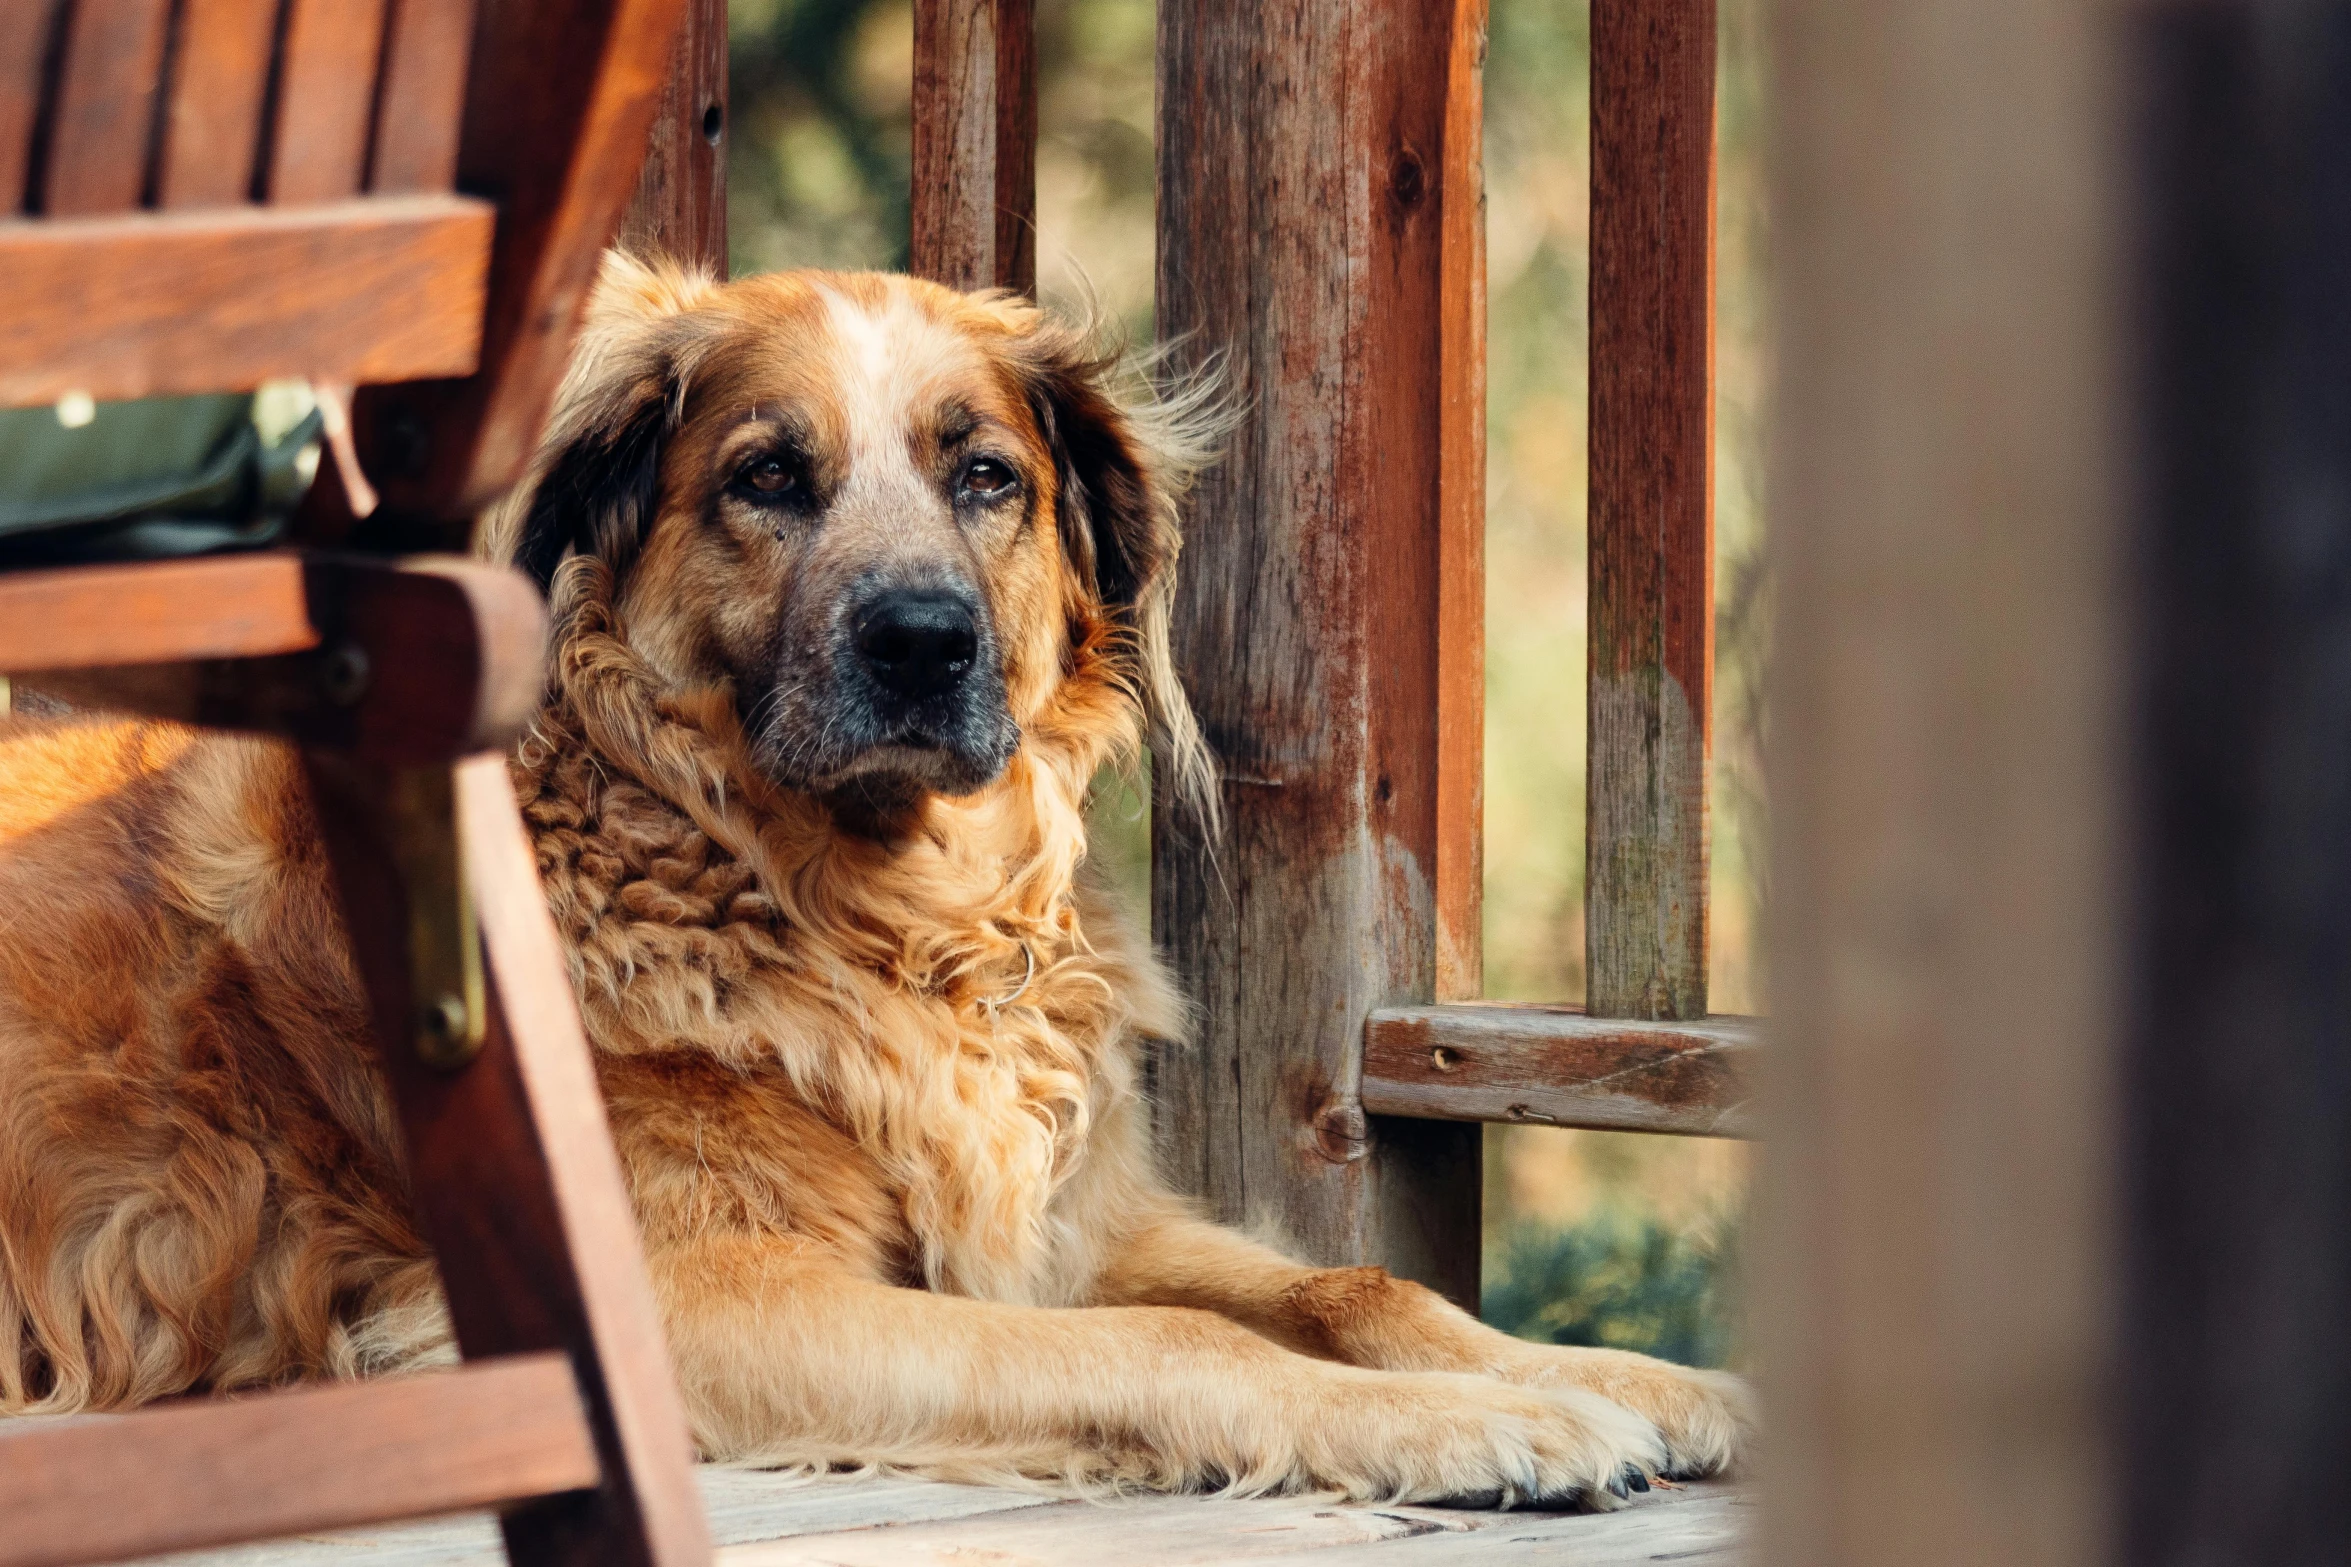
x,y
423,660
230,606
384,288
197,1474
1556,1066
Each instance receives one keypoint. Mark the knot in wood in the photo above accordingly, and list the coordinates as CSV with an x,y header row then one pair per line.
x,y
1408,179
1342,1132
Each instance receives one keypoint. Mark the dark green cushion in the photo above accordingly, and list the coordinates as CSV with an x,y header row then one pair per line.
x,y
158,477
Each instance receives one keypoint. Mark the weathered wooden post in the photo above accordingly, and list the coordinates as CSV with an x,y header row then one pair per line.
x,y
974,212
1318,200
1650,710
680,208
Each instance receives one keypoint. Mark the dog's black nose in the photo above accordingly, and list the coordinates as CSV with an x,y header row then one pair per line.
x,y
918,644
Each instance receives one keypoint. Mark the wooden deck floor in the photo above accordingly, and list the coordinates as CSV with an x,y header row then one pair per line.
x,y
765,1520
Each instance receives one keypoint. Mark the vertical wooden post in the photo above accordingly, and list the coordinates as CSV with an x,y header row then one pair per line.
x,y
680,209
975,143
1936,1252
2237,1130
1312,171
1651,512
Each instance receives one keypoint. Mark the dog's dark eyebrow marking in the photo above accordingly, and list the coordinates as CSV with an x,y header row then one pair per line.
x,y
957,424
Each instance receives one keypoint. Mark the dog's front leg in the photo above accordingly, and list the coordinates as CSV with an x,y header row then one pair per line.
x,y
788,1356
1367,1317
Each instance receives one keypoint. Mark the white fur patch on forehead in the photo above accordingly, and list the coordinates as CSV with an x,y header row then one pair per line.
x,y
886,356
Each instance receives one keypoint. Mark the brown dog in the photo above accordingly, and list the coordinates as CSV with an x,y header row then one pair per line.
x,y
856,584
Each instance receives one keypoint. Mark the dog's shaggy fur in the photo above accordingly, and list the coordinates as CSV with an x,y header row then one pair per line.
x,y
868,1035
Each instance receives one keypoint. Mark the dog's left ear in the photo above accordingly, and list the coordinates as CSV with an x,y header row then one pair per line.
x,y
1125,464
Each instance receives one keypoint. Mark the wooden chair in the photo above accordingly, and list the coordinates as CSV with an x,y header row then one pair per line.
x,y
411,198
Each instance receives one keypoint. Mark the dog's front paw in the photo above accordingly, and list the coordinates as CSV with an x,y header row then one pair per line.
x,y
1708,1418
1470,1441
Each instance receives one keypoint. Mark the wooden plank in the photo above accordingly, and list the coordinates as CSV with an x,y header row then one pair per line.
x,y
236,606
1710,1525
516,1184
1461,549
421,106
201,1473
1935,1269
680,209
1302,231
819,1517
974,220
213,115
415,662
559,103
2239,1022
27,34
1160,1531
101,128
220,300
325,99
1651,515
1557,1066
742,1507
1139,1532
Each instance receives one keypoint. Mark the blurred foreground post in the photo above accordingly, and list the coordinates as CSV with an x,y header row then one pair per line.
x,y
1935,1279
2237,1145
2059,1257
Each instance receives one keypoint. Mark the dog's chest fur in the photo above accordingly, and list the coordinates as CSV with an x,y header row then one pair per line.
x,y
906,1054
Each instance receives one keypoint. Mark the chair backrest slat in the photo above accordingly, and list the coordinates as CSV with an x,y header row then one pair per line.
x,y
421,102
326,99
103,125
219,86
24,50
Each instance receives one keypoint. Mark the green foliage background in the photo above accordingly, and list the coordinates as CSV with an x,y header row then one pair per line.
x,y
1591,1238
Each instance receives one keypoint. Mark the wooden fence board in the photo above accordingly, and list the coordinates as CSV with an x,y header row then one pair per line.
x,y
1303,150
1651,516
975,143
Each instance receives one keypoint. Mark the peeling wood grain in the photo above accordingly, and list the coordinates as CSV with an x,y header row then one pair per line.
x,y
1651,621
1556,1066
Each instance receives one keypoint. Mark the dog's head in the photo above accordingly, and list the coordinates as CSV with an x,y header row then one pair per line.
x,y
895,519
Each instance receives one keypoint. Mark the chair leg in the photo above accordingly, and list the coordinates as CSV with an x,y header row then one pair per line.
x,y
513,1173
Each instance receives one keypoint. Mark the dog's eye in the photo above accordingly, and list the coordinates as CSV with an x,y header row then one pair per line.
x,y
988,477
769,476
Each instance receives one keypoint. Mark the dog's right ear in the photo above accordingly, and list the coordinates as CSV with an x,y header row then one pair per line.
x,y
600,487
595,487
